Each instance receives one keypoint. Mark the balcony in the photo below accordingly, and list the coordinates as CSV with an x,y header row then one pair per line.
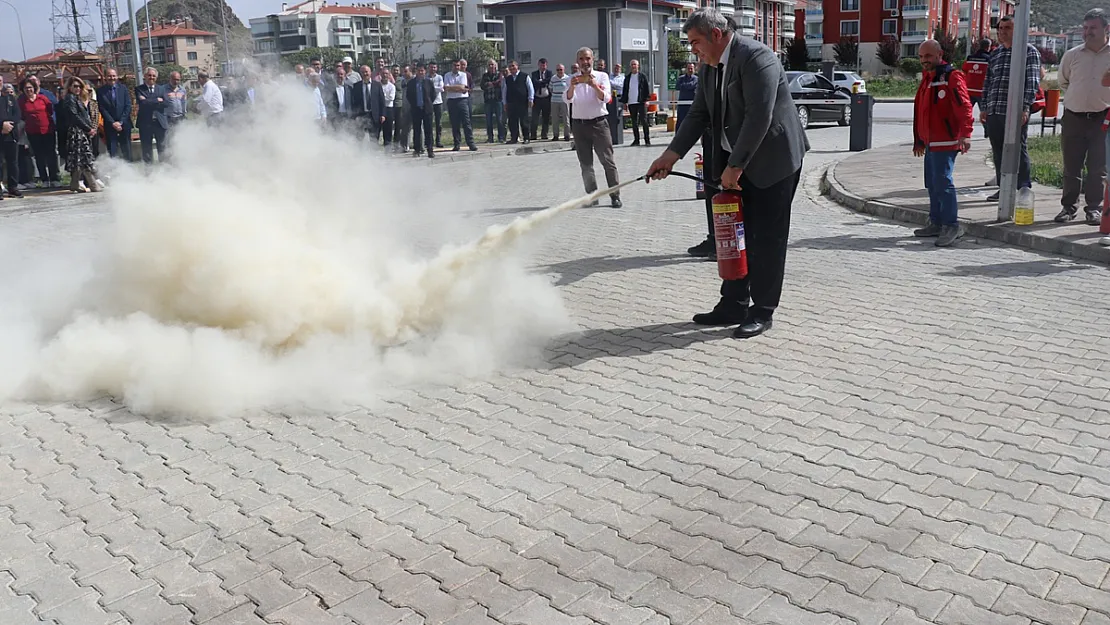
x,y
815,37
788,18
746,6
788,29
814,15
445,18
914,36
912,11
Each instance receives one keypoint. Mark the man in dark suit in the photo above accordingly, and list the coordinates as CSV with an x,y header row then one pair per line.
x,y
337,99
758,148
151,118
9,141
635,96
420,94
541,103
115,106
368,103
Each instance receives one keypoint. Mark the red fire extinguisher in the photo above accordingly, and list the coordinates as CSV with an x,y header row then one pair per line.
x,y
698,171
728,230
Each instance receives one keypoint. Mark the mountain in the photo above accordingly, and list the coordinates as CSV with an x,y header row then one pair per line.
x,y
1057,15
205,15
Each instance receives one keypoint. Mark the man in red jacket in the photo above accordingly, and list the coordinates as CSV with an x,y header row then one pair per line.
x,y
942,127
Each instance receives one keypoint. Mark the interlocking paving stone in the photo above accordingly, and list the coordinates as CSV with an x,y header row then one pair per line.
x,y
920,439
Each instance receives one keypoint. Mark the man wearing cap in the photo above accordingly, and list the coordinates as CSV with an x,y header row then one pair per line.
x,y
353,73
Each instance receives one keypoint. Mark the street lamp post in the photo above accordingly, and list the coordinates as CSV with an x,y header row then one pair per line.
x,y
135,49
1015,103
19,24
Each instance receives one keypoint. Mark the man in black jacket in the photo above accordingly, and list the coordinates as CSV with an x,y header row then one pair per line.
x,y
368,103
636,92
541,103
420,94
9,148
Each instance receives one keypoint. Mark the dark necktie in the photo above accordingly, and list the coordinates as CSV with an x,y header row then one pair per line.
x,y
366,98
718,112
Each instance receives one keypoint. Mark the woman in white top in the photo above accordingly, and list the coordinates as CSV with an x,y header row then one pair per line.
x,y
390,89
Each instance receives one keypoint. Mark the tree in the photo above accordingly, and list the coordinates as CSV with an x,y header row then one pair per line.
x,y
846,51
910,65
797,54
1048,56
678,53
948,44
477,52
889,51
401,39
329,56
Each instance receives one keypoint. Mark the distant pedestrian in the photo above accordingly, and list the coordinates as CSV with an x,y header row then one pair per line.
x,y
560,109
1086,101
687,86
996,89
637,91
38,118
942,128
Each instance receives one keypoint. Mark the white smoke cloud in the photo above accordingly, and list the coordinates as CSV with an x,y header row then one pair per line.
x,y
272,266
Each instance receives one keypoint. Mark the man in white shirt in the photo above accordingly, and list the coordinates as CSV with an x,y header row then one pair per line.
x,y
1086,102
437,105
590,93
616,118
211,101
320,114
456,84
560,109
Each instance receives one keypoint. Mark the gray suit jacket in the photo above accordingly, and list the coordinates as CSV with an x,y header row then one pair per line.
x,y
761,121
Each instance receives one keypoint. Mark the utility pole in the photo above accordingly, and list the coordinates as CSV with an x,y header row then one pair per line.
x,y
135,49
19,24
76,24
1015,103
227,54
651,43
149,44
458,27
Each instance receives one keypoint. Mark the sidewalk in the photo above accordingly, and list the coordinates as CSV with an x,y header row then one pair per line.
x,y
888,182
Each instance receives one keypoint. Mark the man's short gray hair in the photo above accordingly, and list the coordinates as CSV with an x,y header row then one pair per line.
x,y
584,49
704,20
1096,14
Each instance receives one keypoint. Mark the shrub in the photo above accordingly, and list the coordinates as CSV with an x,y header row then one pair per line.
x,y
910,65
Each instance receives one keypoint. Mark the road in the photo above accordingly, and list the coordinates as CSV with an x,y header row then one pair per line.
x,y
920,439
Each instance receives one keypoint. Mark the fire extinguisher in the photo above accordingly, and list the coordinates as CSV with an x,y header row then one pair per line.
x,y
728,230
700,184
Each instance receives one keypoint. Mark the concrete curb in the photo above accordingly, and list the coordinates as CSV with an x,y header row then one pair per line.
x,y
895,100
1003,232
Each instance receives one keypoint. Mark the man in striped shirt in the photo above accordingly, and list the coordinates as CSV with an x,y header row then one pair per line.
x,y
996,91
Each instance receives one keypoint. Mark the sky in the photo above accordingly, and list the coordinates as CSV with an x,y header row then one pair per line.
x,y
38,30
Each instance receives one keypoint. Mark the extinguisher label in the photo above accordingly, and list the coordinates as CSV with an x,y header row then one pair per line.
x,y
726,208
740,242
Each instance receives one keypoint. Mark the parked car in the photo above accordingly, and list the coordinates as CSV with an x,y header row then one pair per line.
x,y
818,99
849,80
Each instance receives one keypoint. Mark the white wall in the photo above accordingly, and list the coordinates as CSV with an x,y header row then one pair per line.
x,y
870,63
555,36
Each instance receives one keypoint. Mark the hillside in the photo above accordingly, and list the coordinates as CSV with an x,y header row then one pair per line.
x,y
205,15
1057,15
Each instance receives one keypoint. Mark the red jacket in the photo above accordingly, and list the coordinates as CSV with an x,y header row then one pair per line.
x,y
38,115
942,110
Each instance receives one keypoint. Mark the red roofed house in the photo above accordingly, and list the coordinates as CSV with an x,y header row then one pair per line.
x,y
361,29
172,42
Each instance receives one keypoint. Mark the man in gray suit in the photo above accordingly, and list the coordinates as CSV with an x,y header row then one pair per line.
x,y
758,149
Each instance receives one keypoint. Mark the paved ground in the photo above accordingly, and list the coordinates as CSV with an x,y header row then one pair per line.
x,y
921,439
876,182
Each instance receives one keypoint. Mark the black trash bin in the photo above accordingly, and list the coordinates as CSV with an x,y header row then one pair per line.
x,y
859,133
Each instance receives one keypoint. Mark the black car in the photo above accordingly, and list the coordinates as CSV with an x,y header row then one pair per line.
x,y
818,99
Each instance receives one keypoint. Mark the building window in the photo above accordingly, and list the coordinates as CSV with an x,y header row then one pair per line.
x,y
890,5
194,70
849,5
890,27
192,56
524,57
290,27
345,41
849,28
190,41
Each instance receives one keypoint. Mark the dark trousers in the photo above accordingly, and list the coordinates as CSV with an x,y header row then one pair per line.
x,y
639,115
119,143
9,163
541,110
459,111
591,136
616,121
26,166
494,119
518,121
371,125
387,127
766,230
707,166
46,156
422,122
437,113
996,132
1083,142
402,126
683,109
147,137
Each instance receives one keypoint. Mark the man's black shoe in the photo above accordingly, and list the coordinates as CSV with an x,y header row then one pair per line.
x,y
751,327
617,202
993,197
15,193
703,249
722,315
1094,216
1065,215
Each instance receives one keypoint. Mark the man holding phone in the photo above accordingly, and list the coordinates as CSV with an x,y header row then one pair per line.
x,y
589,93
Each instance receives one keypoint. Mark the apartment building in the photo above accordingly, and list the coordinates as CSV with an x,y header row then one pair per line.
x,y
363,30
910,22
433,23
1057,42
168,41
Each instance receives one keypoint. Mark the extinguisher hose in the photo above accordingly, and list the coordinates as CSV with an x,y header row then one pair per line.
x,y
695,179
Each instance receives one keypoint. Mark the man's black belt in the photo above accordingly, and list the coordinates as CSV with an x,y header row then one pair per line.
x,y
1095,115
596,119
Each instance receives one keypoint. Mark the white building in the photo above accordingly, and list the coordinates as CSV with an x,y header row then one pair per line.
x,y
433,23
362,29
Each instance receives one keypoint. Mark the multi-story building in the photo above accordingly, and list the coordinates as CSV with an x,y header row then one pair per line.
x,y
432,23
1056,42
175,42
363,30
910,22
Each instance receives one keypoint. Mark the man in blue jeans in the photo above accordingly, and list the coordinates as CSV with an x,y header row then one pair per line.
x,y
942,127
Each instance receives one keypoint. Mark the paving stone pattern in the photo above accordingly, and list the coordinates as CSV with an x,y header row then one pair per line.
x,y
922,438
